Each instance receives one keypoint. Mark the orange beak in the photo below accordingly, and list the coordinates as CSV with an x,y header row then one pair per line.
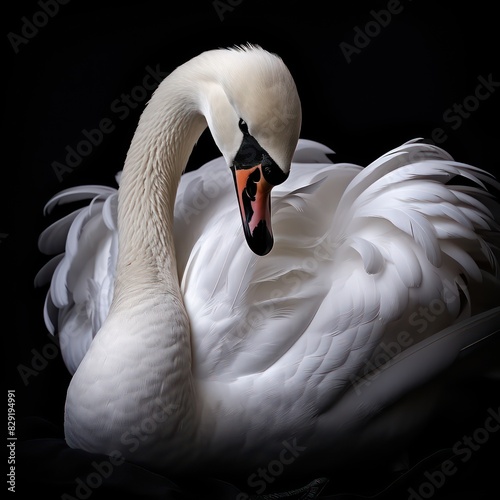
x,y
254,199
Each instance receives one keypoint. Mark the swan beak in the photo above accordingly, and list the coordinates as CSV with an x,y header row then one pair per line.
x,y
254,199
255,173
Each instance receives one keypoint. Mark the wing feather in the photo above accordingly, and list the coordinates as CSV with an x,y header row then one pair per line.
x,y
78,193
357,251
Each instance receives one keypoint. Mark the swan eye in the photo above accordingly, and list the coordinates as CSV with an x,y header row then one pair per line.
x,y
243,126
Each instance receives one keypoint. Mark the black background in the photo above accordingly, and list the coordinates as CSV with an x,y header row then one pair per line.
x,y
67,76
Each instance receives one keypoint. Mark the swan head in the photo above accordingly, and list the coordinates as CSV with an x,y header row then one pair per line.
x,y
253,112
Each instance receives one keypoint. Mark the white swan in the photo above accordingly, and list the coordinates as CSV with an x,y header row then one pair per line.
x,y
188,349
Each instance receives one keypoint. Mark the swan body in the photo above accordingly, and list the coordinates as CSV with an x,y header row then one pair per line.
x,y
189,349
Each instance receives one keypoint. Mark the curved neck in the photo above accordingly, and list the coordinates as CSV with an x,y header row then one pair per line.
x,y
168,129
147,328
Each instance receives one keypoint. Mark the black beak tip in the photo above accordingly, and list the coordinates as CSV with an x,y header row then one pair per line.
x,y
261,240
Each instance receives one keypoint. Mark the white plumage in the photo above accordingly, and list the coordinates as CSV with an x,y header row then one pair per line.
x,y
272,348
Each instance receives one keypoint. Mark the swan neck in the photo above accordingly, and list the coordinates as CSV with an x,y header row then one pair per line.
x,y
147,328
167,131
